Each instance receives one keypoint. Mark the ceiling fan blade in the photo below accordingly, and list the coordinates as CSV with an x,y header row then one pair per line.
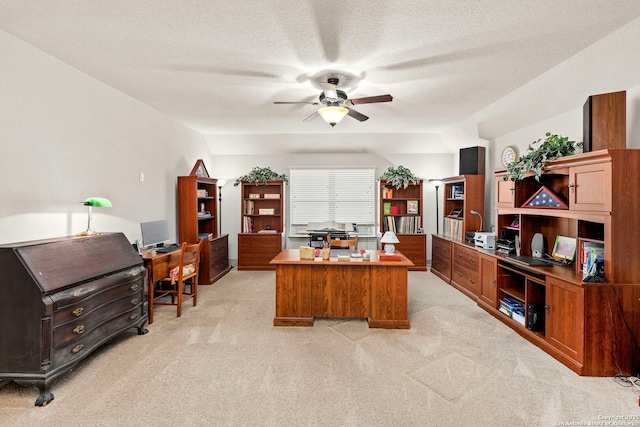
x,y
311,117
358,116
330,90
372,99
293,102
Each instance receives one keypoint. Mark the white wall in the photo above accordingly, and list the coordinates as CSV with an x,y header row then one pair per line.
x,y
65,136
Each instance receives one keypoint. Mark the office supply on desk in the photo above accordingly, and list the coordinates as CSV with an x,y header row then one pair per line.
x,y
168,248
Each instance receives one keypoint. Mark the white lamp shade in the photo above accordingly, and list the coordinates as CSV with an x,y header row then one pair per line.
x,y
221,182
333,115
436,182
389,237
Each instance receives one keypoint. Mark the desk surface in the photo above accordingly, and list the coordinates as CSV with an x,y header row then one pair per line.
x,y
292,256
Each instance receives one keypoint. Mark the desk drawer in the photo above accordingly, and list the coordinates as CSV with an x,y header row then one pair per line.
x,y
467,278
77,349
81,327
257,250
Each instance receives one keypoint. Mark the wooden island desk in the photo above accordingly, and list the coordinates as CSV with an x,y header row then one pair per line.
x,y
375,290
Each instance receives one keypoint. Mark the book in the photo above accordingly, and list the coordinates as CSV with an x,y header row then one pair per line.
x,y
386,208
268,231
394,257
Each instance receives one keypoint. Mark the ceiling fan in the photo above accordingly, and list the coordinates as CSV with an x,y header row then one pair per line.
x,y
337,104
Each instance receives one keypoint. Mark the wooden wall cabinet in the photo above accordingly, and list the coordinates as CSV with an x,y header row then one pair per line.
x,y
401,211
198,220
262,209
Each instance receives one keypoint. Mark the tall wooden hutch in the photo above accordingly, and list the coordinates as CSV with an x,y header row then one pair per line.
x,y
198,220
262,222
401,211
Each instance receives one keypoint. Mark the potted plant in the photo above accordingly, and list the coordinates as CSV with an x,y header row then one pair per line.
x,y
399,177
261,175
550,148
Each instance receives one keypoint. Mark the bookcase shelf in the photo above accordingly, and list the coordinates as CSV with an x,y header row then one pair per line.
x,y
262,209
462,194
401,211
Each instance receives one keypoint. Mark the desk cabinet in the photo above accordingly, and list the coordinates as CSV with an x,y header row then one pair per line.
x,y
61,299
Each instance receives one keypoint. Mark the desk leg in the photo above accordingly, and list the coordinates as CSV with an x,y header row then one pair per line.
x,y
293,296
150,286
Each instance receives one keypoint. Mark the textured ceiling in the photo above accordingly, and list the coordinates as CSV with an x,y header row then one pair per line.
x,y
218,65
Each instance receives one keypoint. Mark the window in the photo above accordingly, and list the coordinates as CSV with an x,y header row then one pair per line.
x,y
341,195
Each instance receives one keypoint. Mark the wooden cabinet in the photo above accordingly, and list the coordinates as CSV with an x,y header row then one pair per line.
x,y
465,270
255,251
489,280
197,220
565,318
441,258
262,208
590,326
414,247
462,195
401,211
86,291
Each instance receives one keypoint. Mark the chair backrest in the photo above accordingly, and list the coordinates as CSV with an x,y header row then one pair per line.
x,y
189,257
343,243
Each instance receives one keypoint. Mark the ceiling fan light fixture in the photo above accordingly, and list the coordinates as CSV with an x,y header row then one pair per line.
x,y
333,115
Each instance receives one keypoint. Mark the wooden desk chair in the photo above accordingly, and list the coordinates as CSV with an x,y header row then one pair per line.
x,y
183,271
343,243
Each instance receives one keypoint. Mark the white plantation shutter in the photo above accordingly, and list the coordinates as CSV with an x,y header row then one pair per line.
x,y
342,195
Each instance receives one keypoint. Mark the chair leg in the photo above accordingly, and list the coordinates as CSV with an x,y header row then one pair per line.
x,y
180,284
194,289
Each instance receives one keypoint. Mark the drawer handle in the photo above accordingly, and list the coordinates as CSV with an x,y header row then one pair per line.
x,y
133,316
134,287
78,311
78,329
77,348
471,260
134,301
472,281
459,274
572,188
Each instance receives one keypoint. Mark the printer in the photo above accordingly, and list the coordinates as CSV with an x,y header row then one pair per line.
x,y
485,239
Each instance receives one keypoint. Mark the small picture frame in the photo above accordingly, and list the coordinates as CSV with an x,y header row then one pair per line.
x,y
412,207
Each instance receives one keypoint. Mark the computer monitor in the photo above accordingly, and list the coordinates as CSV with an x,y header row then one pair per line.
x,y
564,249
154,233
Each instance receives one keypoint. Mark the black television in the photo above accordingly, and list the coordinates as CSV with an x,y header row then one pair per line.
x,y
154,233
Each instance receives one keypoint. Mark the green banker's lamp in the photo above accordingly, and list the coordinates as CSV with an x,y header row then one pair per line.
x,y
91,202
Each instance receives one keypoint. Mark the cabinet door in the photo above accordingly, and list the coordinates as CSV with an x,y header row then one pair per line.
x,y
488,280
590,187
565,318
505,193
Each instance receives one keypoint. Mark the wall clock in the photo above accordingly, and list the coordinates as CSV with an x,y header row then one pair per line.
x,y
509,155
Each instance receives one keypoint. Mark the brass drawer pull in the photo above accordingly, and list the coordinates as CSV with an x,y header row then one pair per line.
x,y
133,316
134,287
78,329
77,348
134,301
78,311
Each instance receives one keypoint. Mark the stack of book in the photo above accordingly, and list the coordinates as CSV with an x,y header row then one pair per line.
x,y
207,236
592,259
509,305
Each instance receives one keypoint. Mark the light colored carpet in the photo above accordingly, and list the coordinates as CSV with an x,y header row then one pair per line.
x,y
223,363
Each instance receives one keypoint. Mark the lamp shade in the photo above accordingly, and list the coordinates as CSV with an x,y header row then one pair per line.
x,y
333,115
222,182
436,182
389,237
98,201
